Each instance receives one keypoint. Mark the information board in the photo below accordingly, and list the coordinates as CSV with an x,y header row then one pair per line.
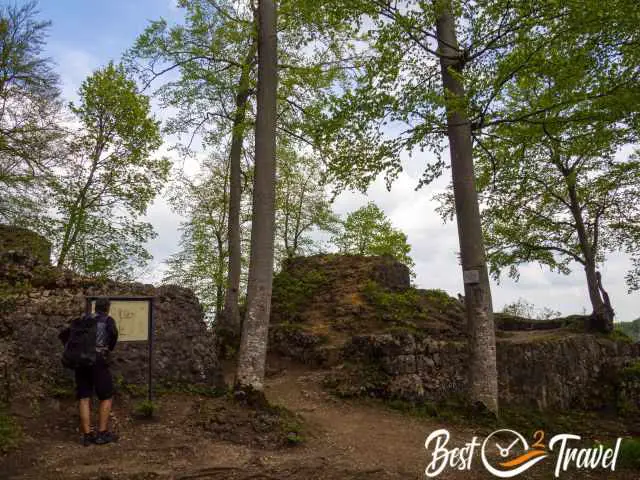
x,y
132,319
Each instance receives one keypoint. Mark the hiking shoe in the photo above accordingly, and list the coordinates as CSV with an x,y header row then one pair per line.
x,y
88,438
105,437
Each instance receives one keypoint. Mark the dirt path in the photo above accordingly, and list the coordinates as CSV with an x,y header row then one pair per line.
x,y
344,441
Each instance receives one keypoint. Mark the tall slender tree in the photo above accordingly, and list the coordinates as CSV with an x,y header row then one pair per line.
x,y
558,196
201,263
30,113
110,177
302,204
214,51
483,373
396,102
424,88
253,345
230,318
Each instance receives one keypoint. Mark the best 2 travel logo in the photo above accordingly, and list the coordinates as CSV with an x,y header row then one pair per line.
x,y
506,453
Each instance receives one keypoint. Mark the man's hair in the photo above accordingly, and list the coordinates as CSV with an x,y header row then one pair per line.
x,y
102,305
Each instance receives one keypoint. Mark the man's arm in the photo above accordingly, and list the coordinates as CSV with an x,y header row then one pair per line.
x,y
64,335
113,337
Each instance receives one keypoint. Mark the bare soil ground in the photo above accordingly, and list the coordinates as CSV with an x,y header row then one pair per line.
x,y
196,437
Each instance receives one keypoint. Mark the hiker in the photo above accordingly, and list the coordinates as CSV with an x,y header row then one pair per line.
x,y
88,342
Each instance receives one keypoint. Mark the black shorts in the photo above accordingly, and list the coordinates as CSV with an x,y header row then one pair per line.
x,y
96,378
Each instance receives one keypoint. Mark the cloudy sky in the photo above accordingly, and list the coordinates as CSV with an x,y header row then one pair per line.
x,y
86,34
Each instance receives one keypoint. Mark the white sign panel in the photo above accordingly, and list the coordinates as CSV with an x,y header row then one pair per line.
x,y
132,319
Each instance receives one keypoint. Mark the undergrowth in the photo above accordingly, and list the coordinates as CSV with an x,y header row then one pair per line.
x,y
292,290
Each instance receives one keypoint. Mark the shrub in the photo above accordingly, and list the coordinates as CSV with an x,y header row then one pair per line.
x,y
524,309
145,409
632,371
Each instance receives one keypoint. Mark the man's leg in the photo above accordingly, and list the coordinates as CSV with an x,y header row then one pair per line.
x,y
85,415
104,390
103,415
84,390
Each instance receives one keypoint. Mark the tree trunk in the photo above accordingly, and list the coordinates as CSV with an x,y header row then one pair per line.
x,y
601,318
602,315
219,274
231,318
253,345
64,250
483,375
78,210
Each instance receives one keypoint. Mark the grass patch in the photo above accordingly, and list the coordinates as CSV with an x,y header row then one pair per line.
x,y
441,299
9,431
133,390
246,417
629,455
452,410
632,372
407,327
424,410
357,380
287,424
524,420
62,392
146,409
394,307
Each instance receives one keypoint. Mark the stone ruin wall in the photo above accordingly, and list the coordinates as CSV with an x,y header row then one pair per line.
x,y
573,371
38,300
540,364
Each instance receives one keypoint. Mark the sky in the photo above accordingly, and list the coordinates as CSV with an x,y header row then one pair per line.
x,y
86,34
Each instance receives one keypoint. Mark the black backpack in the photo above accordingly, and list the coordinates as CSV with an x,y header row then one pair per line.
x,y
80,348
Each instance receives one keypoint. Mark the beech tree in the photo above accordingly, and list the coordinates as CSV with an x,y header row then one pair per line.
x,y
109,179
425,89
553,189
559,197
29,113
214,53
253,344
214,95
368,231
302,205
201,263
458,62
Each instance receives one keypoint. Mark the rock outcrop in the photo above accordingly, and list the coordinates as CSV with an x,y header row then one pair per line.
x,y
383,338
38,300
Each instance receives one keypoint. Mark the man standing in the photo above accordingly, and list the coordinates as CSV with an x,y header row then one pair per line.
x,y
88,342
